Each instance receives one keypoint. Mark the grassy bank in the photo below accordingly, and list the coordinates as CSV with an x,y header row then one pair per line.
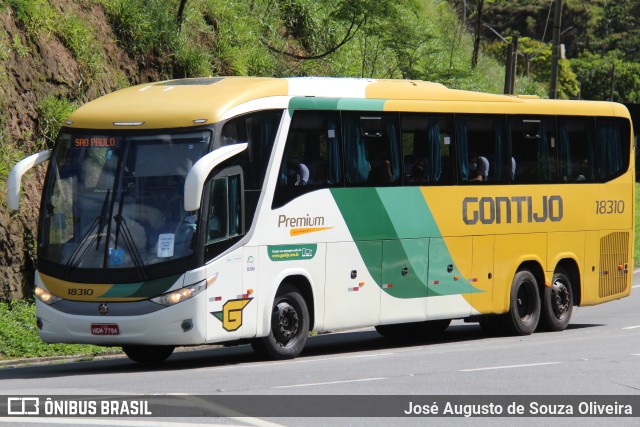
x,y
19,335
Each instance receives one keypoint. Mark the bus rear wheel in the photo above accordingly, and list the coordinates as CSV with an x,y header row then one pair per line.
x,y
148,354
524,311
557,303
289,326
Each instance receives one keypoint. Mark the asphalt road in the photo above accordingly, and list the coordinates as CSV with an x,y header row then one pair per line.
x,y
599,354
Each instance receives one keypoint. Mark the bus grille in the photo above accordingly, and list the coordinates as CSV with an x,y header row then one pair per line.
x,y
614,265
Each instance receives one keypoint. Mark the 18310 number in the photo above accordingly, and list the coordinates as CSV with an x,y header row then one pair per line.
x,y
609,207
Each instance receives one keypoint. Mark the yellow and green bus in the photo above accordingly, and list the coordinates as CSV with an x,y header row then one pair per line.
x,y
238,209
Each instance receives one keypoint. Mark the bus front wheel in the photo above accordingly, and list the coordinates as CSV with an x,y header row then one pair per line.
x,y
289,326
524,311
148,354
557,303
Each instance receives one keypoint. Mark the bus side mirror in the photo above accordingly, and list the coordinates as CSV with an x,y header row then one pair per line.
x,y
15,176
198,174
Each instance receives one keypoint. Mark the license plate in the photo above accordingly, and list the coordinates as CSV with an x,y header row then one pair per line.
x,y
105,329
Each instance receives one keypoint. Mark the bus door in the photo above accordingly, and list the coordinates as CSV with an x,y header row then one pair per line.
x,y
227,297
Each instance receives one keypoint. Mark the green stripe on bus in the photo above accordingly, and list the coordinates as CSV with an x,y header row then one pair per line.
x,y
313,103
151,288
393,228
364,213
408,211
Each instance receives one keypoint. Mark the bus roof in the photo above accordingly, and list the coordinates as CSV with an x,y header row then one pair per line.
x,y
192,102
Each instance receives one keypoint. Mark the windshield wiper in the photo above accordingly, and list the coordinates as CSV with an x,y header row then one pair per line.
x,y
83,248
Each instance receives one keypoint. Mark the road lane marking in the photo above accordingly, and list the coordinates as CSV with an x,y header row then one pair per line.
x,y
289,362
632,327
509,366
331,382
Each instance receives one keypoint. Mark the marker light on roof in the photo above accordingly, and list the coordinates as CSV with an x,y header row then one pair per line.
x,y
128,123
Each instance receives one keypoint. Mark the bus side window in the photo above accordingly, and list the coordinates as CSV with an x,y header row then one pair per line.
x,y
225,209
533,149
224,214
427,149
312,156
259,131
612,136
482,156
576,149
372,149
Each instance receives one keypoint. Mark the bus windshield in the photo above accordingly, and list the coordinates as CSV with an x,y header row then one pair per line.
x,y
115,201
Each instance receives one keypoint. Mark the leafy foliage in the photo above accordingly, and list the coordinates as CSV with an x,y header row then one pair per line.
x,y
19,335
596,35
534,61
41,18
368,38
52,113
600,74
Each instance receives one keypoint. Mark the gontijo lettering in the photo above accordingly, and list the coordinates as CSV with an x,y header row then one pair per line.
x,y
506,210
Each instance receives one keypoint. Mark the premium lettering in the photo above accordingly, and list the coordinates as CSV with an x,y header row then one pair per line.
x,y
301,221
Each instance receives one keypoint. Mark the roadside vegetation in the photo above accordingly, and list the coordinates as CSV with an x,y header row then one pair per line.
x,y
19,335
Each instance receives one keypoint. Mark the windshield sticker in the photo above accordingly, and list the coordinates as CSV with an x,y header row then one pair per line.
x,y
292,252
165,245
116,256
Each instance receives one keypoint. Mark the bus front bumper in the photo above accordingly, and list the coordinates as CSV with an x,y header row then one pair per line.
x,y
180,324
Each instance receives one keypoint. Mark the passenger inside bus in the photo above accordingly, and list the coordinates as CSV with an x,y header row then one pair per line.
x,y
478,168
380,165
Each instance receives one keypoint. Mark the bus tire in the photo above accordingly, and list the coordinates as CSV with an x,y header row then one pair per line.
x,y
557,303
524,312
289,326
148,354
414,329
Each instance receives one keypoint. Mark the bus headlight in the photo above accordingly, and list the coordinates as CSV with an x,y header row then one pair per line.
x,y
180,295
46,297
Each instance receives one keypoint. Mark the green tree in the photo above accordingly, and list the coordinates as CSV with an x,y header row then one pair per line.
x,y
607,77
619,28
534,60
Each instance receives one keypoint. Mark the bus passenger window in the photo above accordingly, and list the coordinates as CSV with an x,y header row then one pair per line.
x,y
259,131
482,149
533,150
612,136
312,156
372,149
427,149
576,149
